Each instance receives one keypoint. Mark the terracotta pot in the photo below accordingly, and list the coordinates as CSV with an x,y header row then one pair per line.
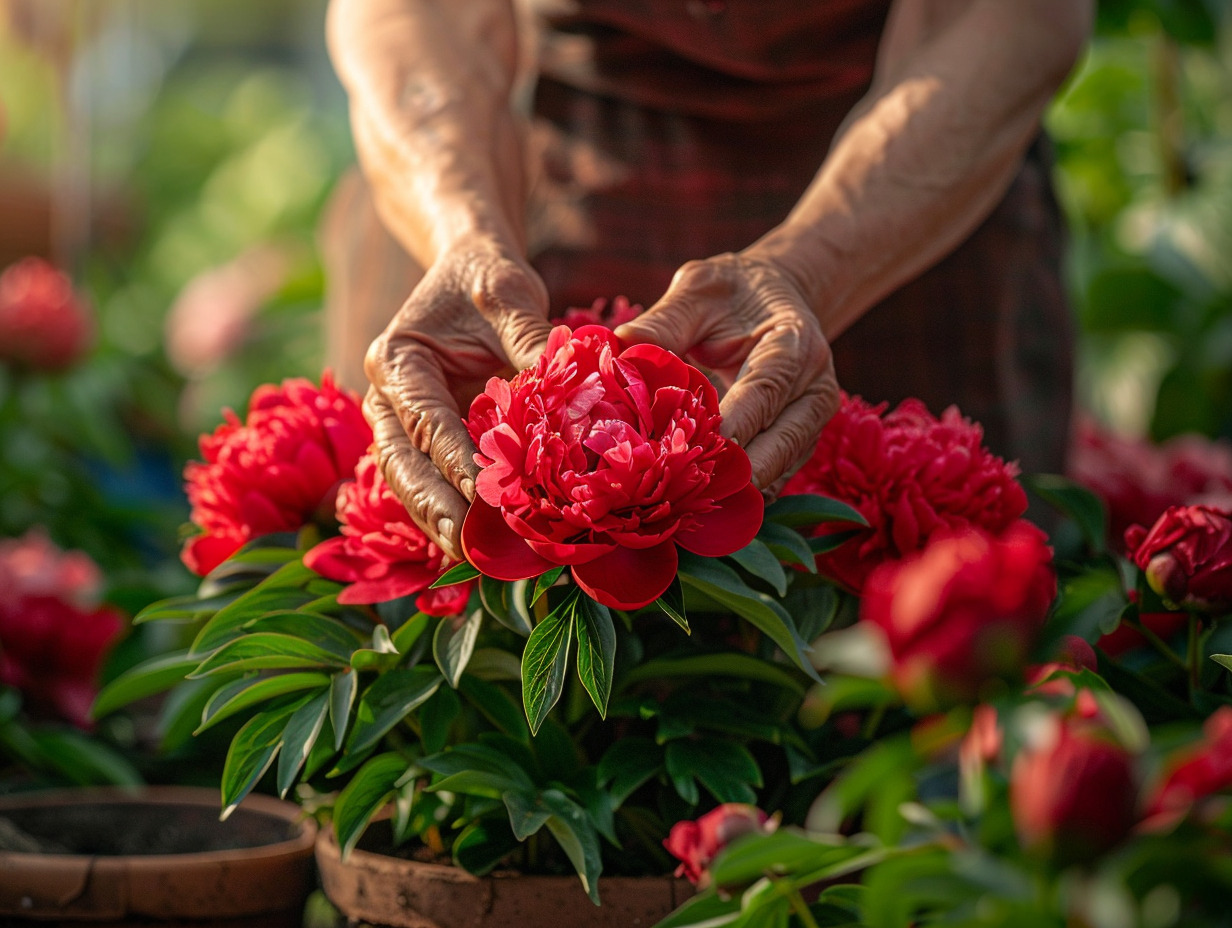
x,y
383,890
154,857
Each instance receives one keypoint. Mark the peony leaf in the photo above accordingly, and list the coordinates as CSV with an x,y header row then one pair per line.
x,y
483,844
722,584
788,545
322,630
279,592
573,831
436,718
458,573
83,760
181,711
787,851
527,814
266,651
545,581
1223,659
824,544
811,509
760,561
185,607
298,739
342,691
722,664
544,661
388,701
1075,501
500,598
248,691
672,605
596,659
454,642
146,679
252,751
364,796
726,769
405,636
627,764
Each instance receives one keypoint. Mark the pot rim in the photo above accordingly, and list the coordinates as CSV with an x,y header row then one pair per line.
x,y
301,843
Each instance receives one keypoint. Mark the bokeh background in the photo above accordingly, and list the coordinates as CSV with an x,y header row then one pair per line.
x,y
175,156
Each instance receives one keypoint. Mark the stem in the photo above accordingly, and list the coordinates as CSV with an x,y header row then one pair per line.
x,y
798,905
874,721
1156,642
1193,656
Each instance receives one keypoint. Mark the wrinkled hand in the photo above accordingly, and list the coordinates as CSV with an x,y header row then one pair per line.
x,y
476,313
744,318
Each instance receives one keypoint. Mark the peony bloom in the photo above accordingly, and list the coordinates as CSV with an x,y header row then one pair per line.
x,y
604,459
1187,557
910,475
53,634
697,844
1072,790
1194,774
44,324
965,610
1138,481
601,312
274,472
381,553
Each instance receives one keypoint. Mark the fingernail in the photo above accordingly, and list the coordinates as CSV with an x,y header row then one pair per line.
x,y
446,529
467,486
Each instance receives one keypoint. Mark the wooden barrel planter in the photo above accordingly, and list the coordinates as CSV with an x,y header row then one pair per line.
x,y
380,889
152,857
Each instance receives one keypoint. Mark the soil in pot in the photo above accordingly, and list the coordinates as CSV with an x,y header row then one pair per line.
x,y
158,857
376,887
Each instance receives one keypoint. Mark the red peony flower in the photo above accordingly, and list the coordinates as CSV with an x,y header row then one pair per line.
x,y
1187,557
1072,790
381,553
1194,774
697,844
44,324
604,458
1137,481
53,635
910,475
964,611
275,471
601,312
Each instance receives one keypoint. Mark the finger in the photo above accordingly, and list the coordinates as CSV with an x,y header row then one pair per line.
x,y
791,439
514,302
412,384
781,366
678,321
432,503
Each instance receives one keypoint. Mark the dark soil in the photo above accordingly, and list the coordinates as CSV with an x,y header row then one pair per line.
x,y
134,829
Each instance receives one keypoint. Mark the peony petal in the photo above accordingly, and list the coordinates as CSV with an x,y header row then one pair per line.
x,y
732,472
658,366
628,578
203,553
570,553
495,549
728,528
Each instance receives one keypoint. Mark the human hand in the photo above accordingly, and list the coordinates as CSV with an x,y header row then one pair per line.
x,y
476,312
743,317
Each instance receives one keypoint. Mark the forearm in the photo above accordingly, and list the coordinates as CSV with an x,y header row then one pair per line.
x,y
429,83
929,153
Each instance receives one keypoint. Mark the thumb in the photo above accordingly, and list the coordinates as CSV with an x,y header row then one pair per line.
x,y
673,323
523,336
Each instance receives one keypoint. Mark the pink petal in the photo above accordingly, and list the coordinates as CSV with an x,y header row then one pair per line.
x,y
728,528
628,578
495,549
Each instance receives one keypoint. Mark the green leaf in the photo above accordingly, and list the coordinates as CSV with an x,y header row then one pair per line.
x,y
824,544
1075,501
322,630
783,852
181,711
483,844
627,764
671,603
526,813
388,701
596,660
761,562
788,545
573,831
496,706
241,694
410,631
342,691
723,664
84,760
252,751
725,768
279,592
722,584
184,607
298,739
545,582
453,644
478,769
459,573
436,717
147,678
706,910
494,664
1224,660
544,661
811,509
364,796
266,651
506,602
520,618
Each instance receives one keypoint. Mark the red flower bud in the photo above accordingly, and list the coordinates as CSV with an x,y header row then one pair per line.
x,y
697,844
964,611
44,325
1187,557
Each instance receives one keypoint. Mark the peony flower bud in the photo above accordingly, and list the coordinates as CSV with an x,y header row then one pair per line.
x,y
603,459
275,471
696,844
911,476
610,315
1187,557
44,325
964,611
1072,790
